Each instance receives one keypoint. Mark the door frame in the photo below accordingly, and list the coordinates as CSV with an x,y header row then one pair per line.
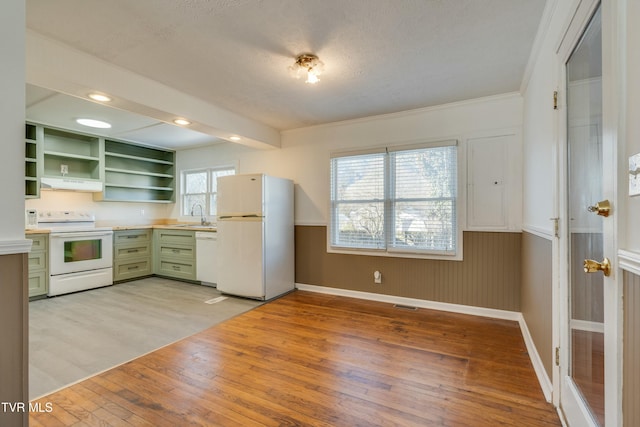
x,y
611,107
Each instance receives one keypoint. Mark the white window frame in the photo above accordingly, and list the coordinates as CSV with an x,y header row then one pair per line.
x,y
208,194
403,252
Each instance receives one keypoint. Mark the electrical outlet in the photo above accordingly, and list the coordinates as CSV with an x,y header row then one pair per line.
x,y
64,169
377,277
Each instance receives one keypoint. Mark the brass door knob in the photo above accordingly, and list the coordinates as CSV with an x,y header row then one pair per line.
x,y
591,266
602,208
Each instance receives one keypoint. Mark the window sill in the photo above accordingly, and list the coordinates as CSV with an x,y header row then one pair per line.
x,y
397,254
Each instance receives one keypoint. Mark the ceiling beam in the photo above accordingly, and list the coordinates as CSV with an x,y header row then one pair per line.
x,y
56,66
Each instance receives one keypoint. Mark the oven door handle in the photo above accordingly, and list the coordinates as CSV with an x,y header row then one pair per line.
x,y
89,234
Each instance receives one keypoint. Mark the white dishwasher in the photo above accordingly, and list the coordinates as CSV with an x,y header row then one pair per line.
x,y
206,248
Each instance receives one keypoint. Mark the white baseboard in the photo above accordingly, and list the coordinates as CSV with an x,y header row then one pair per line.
x,y
543,378
536,361
442,306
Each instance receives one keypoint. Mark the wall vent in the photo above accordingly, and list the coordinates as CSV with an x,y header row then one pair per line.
x,y
405,307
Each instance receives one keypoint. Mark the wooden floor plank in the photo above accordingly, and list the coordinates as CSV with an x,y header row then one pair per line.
x,y
318,360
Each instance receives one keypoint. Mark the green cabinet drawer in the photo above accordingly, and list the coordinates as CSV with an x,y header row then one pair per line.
x,y
37,261
129,250
38,265
131,269
38,283
177,252
131,236
177,269
182,237
40,242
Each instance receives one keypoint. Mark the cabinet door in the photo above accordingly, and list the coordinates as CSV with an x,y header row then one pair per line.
x,y
488,182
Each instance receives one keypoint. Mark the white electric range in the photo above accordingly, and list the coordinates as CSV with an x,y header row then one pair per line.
x,y
80,254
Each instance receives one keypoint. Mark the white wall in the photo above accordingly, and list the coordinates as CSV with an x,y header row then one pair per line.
x,y
107,213
540,128
304,156
12,70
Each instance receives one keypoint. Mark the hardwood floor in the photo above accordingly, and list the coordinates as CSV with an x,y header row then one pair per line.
x,y
317,360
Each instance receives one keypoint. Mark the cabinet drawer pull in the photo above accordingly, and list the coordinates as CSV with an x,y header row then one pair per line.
x,y
133,237
176,267
176,251
133,267
130,251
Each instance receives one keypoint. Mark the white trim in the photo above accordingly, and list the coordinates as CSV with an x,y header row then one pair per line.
x,y
408,113
433,305
545,382
9,247
586,325
541,34
311,224
538,231
629,261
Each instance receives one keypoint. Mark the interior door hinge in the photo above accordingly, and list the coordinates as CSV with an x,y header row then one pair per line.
x,y
555,99
556,226
557,356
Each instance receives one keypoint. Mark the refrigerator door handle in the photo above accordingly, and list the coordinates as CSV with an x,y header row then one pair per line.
x,y
251,216
225,217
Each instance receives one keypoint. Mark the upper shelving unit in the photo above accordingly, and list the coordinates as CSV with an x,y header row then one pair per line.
x,y
136,173
70,154
31,183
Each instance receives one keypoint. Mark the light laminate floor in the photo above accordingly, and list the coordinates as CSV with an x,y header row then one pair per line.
x,y
72,337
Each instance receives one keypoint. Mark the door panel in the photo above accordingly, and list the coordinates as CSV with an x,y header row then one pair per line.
x,y
583,384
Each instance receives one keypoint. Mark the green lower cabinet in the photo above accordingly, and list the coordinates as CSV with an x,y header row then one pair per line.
x,y
132,256
38,266
174,254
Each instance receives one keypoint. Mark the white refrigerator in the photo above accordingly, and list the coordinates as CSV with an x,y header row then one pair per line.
x,y
255,236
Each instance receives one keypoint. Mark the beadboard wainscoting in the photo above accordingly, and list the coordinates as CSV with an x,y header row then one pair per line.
x,y
488,276
537,292
631,350
14,334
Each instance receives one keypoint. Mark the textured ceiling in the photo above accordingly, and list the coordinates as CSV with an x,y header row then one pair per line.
x,y
381,56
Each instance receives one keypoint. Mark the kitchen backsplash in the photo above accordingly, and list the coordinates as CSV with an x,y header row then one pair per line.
x,y
108,213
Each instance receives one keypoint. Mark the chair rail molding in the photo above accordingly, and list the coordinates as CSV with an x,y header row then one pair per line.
x,y
629,261
9,247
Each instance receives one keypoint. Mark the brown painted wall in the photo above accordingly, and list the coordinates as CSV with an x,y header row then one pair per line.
x,y
631,352
13,336
488,276
537,295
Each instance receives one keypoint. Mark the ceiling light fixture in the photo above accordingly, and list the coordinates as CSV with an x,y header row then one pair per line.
x,y
234,138
182,122
99,97
309,64
94,123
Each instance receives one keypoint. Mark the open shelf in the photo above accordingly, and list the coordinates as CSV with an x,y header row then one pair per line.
x,y
137,173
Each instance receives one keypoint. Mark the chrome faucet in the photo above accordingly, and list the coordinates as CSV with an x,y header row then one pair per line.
x,y
203,219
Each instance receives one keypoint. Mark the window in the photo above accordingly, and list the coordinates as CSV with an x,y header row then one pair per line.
x,y
401,200
199,190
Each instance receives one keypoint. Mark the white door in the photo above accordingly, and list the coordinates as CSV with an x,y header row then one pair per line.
x,y
588,323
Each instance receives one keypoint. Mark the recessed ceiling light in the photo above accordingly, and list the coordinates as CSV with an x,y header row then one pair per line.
x,y
94,123
235,138
99,97
182,122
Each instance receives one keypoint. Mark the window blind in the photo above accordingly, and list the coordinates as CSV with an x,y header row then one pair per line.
x,y
403,200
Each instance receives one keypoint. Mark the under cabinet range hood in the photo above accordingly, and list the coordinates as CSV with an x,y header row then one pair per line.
x,y
70,184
